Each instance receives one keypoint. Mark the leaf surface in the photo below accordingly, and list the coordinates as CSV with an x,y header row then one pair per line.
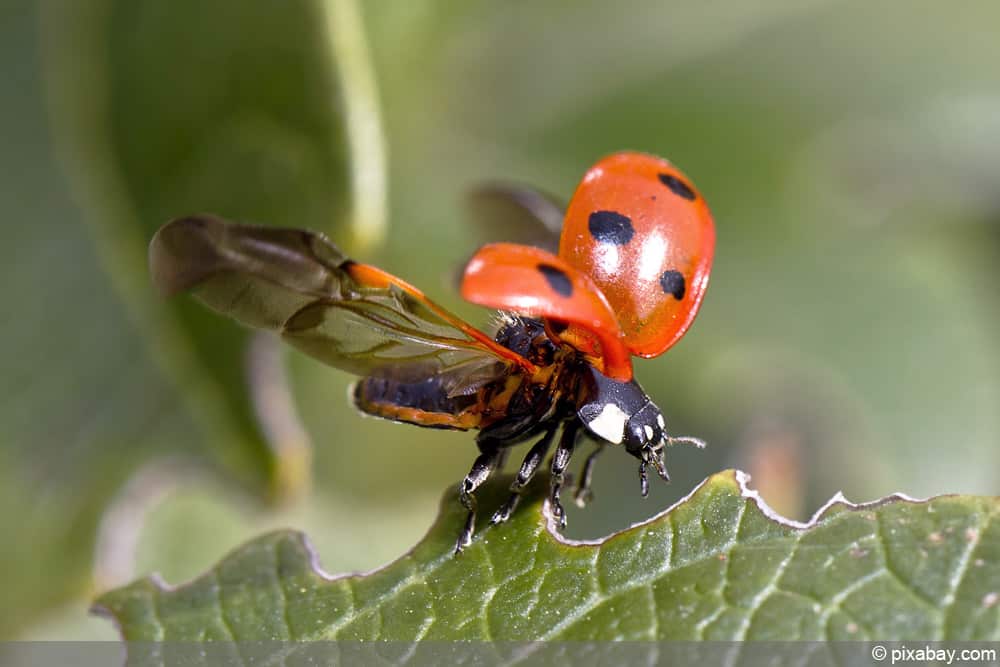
x,y
718,565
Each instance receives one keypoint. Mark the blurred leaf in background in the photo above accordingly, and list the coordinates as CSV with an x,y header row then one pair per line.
x,y
179,107
155,110
848,151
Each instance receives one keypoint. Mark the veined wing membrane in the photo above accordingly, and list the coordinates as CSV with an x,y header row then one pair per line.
x,y
382,334
298,284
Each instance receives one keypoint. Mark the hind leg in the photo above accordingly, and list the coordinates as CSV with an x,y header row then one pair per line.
x,y
486,463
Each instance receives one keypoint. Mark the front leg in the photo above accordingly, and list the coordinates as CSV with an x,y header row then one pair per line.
x,y
564,451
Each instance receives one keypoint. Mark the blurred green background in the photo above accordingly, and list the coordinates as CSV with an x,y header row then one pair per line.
x,y
850,152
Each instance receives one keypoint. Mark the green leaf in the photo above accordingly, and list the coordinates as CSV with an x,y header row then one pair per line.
x,y
718,565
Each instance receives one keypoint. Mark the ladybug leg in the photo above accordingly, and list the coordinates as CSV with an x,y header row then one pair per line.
x,y
643,478
528,469
567,443
485,464
652,457
583,494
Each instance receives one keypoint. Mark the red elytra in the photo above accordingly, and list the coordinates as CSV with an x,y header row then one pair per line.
x,y
642,232
534,282
643,238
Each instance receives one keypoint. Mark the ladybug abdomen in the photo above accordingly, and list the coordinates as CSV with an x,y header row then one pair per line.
x,y
424,403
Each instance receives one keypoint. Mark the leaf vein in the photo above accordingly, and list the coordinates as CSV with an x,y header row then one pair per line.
x,y
709,619
654,616
484,613
758,600
948,601
889,568
281,591
416,576
217,589
834,604
161,627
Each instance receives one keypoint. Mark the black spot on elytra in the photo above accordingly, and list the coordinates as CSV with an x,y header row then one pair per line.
x,y
678,187
672,283
557,279
610,227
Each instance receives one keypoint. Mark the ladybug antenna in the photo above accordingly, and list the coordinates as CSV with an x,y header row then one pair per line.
x,y
686,440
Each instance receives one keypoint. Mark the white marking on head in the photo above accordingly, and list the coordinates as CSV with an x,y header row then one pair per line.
x,y
648,430
659,420
610,423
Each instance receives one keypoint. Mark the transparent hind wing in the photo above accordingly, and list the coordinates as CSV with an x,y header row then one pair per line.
x,y
300,285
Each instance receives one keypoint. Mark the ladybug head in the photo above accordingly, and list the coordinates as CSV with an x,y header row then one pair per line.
x,y
622,414
644,430
645,440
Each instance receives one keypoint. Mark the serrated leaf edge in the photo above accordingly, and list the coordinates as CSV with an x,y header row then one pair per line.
x,y
740,478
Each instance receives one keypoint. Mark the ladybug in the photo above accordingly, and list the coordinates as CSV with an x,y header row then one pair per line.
x,y
634,256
